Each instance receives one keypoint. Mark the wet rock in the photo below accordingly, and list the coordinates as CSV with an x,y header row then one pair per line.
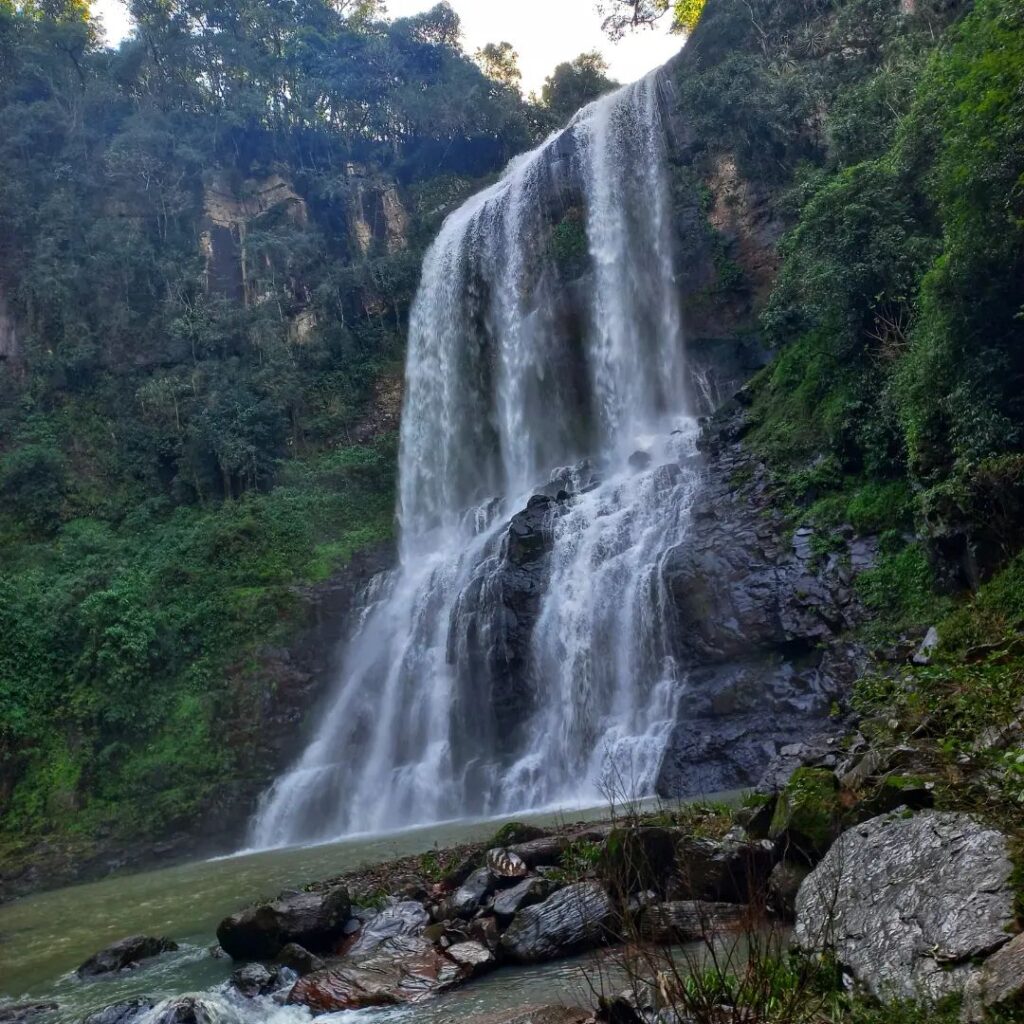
x,y
997,986
119,1013
572,920
474,956
639,461
217,952
186,1010
299,959
399,971
470,896
544,850
689,920
506,864
311,919
399,919
907,902
24,1013
254,980
527,893
126,953
485,931
726,870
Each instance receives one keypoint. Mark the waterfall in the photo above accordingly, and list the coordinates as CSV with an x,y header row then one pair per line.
x,y
506,667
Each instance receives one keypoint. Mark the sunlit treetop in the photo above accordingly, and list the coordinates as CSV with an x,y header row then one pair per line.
x,y
622,16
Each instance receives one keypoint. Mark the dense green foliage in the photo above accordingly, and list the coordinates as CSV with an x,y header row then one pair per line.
x,y
209,239
897,140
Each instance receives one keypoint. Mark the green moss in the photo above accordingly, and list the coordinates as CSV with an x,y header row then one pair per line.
x,y
901,591
569,244
808,811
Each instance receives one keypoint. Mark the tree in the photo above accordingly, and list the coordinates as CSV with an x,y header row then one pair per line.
x,y
575,84
500,63
622,16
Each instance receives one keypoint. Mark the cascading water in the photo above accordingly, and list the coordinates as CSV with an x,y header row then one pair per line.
x,y
503,669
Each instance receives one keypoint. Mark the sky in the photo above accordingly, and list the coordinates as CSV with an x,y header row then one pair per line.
x,y
544,32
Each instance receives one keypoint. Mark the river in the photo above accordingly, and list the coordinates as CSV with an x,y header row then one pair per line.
x,y
44,937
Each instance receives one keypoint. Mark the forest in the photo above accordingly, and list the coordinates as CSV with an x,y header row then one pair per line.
x,y
209,240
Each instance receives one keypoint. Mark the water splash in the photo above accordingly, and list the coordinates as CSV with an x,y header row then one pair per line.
x,y
454,700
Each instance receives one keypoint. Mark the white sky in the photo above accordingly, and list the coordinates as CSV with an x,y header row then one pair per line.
x,y
542,37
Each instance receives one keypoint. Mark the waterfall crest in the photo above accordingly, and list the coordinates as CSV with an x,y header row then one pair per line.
x,y
505,667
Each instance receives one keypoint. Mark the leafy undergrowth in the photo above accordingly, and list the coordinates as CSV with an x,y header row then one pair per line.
x,y
128,646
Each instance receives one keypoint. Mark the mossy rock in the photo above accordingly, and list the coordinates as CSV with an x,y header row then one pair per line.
x,y
636,859
809,812
516,832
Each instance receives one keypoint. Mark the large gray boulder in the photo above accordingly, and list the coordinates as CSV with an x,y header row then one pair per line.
x,y
909,902
315,920
574,919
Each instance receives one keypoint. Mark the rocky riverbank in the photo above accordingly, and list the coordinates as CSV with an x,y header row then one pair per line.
x,y
881,893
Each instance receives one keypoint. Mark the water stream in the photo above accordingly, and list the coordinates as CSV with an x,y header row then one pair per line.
x,y
475,684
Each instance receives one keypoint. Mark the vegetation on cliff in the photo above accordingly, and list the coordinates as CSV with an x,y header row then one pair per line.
x,y
209,240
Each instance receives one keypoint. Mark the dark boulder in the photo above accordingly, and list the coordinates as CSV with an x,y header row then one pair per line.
x,y
471,895
726,870
314,920
784,886
689,920
124,954
544,850
509,902
633,860
299,959
574,919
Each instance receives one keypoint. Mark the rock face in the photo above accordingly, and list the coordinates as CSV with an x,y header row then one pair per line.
x,y
400,971
999,985
759,623
575,918
493,621
126,953
908,903
314,920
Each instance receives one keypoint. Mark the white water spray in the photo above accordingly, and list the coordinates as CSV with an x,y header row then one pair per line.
x,y
475,685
